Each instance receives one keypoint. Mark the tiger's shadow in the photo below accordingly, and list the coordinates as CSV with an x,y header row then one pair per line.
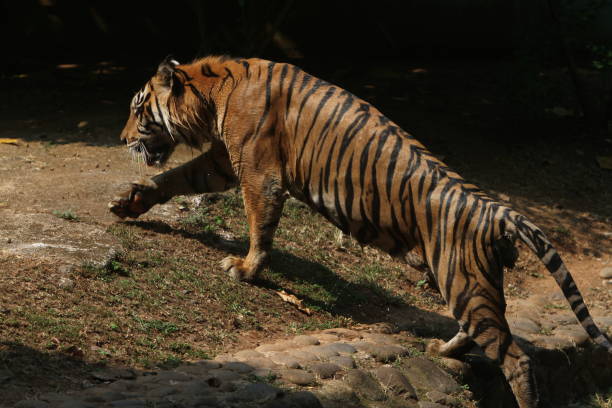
x,y
366,303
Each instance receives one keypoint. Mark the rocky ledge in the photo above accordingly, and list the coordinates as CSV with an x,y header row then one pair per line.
x,y
346,368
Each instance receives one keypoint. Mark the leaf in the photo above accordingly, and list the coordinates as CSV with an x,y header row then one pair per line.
x,y
294,301
14,142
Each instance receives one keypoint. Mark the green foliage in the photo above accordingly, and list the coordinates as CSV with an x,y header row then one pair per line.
x,y
68,215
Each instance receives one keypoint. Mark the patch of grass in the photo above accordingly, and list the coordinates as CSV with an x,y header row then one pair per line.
x,y
148,326
68,215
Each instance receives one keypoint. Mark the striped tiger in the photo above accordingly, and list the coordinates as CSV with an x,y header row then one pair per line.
x,y
277,131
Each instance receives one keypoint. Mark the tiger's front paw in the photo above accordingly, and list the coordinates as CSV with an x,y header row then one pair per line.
x,y
236,269
133,202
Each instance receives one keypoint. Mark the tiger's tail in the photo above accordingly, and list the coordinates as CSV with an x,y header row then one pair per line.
x,y
535,239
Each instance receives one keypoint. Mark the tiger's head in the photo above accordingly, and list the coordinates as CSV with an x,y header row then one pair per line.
x,y
151,131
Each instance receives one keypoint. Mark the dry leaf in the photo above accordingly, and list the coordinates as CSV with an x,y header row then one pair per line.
x,y
294,301
9,141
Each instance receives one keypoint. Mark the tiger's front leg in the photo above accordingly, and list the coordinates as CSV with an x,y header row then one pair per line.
x,y
207,173
264,195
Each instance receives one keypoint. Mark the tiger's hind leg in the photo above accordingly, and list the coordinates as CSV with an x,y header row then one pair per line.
x,y
488,327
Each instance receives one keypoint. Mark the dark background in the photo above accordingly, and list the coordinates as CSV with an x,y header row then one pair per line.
x,y
541,60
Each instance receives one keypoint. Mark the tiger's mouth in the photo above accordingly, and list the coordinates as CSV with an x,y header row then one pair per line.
x,y
155,155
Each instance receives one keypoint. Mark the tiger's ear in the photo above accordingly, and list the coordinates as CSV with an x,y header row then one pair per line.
x,y
166,74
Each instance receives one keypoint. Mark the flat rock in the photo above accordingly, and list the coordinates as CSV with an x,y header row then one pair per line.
x,y
381,352
379,338
552,342
393,380
298,377
258,393
336,391
575,333
343,361
327,337
320,352
342,332
304,340
424,375
523,324
302,356
247,355
562,319
284,359
278,346
113,374
324,370
364,385
340,348
209,364
239,367
260,363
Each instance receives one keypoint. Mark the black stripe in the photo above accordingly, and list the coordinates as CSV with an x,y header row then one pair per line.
x,y
290,89
268,97
207,71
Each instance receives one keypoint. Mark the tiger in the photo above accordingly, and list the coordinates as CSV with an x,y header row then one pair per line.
x,y
277,132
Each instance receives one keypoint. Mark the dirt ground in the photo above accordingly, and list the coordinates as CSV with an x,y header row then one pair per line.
x,y
67,162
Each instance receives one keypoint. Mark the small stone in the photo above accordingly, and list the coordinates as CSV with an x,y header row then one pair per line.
x,y
379,338
437,396
455,367
261,363
320,352
364,385
284,359
238,367
304,340
343,361
247,354
324,370
342,332
302,356
82,124
392,379
338,392
167,376
606,273
257,393
424,375
298,377
381,352
606,282
340,348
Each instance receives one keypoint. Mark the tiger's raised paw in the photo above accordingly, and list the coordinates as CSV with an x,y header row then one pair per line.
x,y
133,202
